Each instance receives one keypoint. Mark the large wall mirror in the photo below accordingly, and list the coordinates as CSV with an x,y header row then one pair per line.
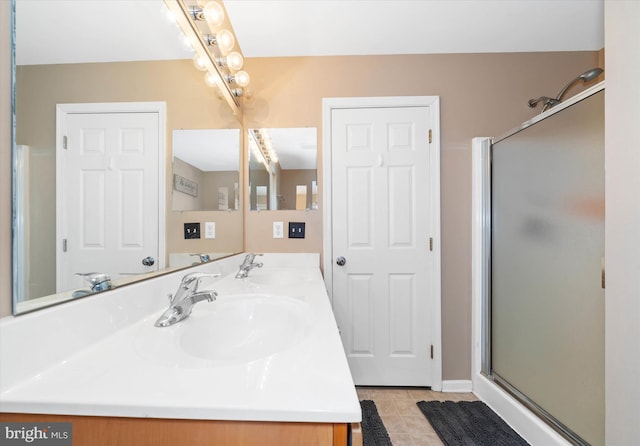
x,y
131,55
283,168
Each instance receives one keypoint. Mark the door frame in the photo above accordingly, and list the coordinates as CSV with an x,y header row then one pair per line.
x,y
433,102
62,110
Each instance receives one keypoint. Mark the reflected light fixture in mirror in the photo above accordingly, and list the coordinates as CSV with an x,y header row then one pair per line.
x,y
215,47
282,169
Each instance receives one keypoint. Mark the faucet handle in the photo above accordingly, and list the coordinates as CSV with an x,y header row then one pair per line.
x,y
204,258
250,257
98,281
189,279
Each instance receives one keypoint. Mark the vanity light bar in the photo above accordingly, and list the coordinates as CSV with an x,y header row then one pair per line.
x,y
263,141
200,43
254,146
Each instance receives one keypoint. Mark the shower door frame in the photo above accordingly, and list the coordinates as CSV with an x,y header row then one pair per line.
x,y
533,422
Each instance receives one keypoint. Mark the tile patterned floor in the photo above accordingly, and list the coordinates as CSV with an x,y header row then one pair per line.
x,y
407,426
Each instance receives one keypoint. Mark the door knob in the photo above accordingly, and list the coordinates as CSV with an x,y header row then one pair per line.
x,y
148,261
341,261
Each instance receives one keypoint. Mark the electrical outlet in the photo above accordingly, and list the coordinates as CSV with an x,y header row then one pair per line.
x,y
296,230
278,229
210,229
191,230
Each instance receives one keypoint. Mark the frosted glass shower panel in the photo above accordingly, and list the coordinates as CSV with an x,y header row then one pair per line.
x,y
547,300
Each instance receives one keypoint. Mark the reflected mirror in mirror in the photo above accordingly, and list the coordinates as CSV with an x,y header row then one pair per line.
x,y
109,62
206,167
283,169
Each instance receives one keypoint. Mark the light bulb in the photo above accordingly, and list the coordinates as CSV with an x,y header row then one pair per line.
x,y
213,14
187,43
168,14
242,78
200,62
225,41
210,80
235,61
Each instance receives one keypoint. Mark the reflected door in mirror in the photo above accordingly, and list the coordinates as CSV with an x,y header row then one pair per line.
x,y
107,195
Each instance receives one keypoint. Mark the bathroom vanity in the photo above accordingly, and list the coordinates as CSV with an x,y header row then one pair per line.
x,y
262,364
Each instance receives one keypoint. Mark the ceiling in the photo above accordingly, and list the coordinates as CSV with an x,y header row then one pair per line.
x,y
359,27
48,30
296,147
210,150
71,31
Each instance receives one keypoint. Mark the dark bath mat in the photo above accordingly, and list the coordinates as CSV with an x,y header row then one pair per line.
x,y
469,423
373,431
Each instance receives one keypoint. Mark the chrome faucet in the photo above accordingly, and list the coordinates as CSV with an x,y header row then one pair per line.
x,y
204,258
98,281
248,265
182,302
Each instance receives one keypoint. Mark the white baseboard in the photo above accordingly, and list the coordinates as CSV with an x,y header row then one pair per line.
x,y
523,421
457,385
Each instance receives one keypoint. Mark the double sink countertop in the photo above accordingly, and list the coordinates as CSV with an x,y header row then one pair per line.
x,y
267,349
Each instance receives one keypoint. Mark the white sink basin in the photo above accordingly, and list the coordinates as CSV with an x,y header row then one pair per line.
x,y
233,329
244,327
281,276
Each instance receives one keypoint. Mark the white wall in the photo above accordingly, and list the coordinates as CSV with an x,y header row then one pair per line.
x,y
622,232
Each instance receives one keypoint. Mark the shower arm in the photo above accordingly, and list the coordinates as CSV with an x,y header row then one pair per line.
x,y
547,101
566,87
584,77
558,99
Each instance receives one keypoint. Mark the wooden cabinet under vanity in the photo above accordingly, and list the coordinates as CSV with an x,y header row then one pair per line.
x,y
116,431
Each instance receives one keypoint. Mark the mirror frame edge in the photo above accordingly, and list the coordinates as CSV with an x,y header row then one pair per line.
x,y
14,247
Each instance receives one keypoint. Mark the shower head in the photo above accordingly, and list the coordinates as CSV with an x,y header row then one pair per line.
x,y
585,77
591,74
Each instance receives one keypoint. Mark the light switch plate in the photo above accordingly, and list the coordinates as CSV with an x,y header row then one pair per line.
x,y
210,229
296,229
278,229
191,230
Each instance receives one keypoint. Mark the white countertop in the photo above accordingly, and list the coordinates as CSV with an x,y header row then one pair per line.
x,y
116,375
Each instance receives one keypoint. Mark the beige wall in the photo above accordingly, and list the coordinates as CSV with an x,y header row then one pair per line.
x,y
212,181
181,201
291,178
208,184
481,95
42,202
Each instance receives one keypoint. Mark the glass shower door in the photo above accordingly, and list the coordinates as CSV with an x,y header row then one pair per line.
x,y
547,241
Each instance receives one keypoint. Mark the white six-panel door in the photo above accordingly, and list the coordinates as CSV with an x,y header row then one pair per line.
x,y
382,236
109,182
